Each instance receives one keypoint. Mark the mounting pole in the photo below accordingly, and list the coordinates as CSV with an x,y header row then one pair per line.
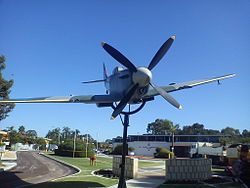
x,y
122,180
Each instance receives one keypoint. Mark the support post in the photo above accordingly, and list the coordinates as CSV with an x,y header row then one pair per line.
x,y
172,148
122,180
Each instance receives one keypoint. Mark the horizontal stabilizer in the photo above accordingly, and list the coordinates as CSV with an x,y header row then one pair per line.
x,y
93,81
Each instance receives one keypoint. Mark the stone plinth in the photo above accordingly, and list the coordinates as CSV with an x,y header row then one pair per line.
x,y
131,168
188,169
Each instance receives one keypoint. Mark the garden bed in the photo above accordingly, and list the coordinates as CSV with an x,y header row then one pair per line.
x,y
107,173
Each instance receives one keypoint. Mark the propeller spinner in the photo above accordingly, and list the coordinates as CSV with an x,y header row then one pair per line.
x,y
141,76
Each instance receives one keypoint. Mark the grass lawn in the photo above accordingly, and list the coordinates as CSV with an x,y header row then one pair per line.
x,y
219,171
148,163
84,178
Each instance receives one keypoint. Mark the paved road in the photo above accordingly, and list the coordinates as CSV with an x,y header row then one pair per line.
x,y
33,168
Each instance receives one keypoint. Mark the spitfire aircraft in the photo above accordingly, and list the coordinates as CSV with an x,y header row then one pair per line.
x,y
129,85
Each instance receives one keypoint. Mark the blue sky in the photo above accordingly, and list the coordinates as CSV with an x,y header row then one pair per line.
x,y
51,46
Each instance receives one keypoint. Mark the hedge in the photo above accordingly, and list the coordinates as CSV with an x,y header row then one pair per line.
x,y
69,153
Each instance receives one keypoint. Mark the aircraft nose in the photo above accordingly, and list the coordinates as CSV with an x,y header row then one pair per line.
x,y
142,76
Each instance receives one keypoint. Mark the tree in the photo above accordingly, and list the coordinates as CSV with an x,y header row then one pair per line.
x,y
230,131
66,132
11,128
194,129
31,133
161,127
21,130
13,135
173,129
246,133
54,134
5,86
77,131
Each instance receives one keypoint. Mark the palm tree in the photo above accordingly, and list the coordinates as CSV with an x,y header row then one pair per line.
x,y
66,132
21,130
173,129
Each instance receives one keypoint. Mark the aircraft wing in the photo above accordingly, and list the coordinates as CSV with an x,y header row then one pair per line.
x,y
89,99
186,85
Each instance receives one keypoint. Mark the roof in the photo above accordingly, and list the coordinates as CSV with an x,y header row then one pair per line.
x,y
3,132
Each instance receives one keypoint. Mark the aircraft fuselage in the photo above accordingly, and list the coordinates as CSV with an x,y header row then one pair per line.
x,y
120,82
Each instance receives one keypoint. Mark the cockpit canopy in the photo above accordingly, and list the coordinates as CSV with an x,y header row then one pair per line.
x,y
117,69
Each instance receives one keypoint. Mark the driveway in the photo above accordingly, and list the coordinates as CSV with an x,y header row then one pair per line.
x,y
33,168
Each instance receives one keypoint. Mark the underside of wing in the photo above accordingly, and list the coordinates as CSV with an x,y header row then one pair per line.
x,y
186,85
38,100
88,99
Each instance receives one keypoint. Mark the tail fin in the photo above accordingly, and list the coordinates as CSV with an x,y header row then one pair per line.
x,y
105,72
105,78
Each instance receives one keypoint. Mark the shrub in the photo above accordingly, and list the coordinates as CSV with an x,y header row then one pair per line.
x,y
131,149
2,144
163,153
66,149
117,150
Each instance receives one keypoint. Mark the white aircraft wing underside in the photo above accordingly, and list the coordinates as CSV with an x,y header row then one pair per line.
x,y
88,99
185,85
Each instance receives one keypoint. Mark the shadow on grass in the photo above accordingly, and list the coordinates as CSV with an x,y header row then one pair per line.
x,y
67,184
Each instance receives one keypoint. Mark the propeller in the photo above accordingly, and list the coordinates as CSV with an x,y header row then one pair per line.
x,y
166,96
141,76
161,52
124,101
119,57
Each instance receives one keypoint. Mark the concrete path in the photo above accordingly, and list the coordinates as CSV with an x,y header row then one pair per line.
x,y
9,156
8,160
145,182
149,177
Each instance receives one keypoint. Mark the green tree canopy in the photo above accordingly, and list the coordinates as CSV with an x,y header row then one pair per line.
x,y
196,128
31,133
246,133
55,135
21,129
162,126
230,131
5,86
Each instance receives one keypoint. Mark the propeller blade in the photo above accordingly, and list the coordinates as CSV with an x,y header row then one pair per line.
x,y
161,52
119,57
124,102
166,96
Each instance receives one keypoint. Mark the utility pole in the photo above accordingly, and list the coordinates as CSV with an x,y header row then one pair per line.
x,y
74,146
87,146
97,145
58,138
